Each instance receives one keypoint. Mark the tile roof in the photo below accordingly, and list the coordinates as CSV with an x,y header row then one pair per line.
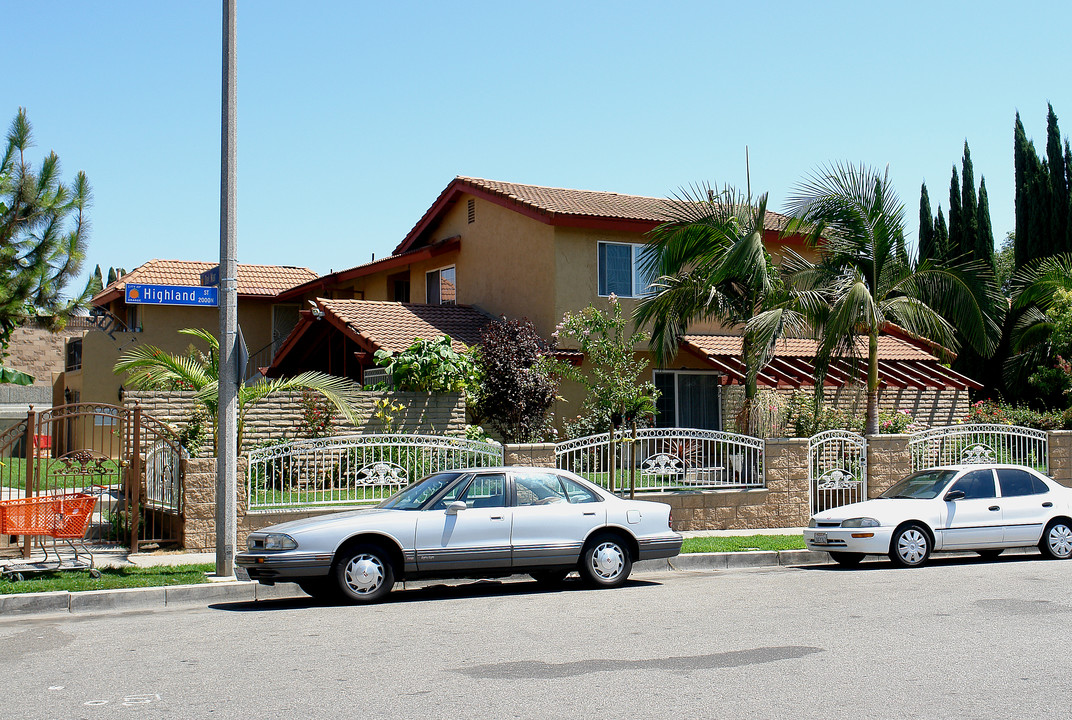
x,y
889,348
256,280
591,203
393,326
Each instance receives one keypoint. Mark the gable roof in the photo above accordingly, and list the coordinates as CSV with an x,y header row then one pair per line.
x,y
253,280
561,206
394,326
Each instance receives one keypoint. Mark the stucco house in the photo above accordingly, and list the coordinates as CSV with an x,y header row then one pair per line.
x,y
486,247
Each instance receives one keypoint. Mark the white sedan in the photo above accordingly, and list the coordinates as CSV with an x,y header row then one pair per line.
x,y
984,508
476,522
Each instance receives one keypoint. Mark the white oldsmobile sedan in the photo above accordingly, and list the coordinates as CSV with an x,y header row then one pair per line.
x,y
984,508
476,522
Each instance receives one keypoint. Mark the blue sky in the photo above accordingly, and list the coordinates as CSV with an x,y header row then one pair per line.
x,y
353,116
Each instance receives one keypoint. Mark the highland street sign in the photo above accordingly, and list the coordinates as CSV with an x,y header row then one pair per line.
x,y
173,295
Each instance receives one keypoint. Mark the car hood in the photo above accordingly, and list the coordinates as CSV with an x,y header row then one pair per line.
x,y
323,522
880,509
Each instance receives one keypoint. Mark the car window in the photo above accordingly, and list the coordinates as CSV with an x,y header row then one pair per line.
x,y
487,490
1019,482
977,485
412,497
539,489
576,492
923,485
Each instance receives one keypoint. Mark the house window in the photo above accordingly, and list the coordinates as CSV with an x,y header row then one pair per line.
x,y
440,287
132,318
620,271
688,400
398,287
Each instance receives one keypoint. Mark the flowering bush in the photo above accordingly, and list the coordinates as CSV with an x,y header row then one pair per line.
x,y
316,414
992,412
894,423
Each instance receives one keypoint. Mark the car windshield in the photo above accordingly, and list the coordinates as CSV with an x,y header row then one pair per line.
x,y
412,497
924,485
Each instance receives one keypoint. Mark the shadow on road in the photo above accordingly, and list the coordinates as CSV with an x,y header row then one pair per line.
x,y
871,565
427,593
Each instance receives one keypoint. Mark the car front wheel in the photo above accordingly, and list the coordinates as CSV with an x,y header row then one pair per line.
x,y
1056,542
606,562
911,546
364,574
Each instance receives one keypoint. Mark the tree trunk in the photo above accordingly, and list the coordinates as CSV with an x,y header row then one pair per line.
x,y
871,428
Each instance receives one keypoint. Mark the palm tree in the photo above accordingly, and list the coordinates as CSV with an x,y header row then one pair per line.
x,y
150,368
712,264
854,217
1034,292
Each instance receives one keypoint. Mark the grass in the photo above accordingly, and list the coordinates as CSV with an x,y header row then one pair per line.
x,y
13,474
110,579
742,543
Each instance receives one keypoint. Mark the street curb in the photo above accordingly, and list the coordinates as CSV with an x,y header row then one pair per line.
x,y
151,598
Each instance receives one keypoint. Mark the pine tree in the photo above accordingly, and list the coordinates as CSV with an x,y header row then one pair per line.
x,y
926,227
1021,173
941,235
43,229
984,244
969,209
956,222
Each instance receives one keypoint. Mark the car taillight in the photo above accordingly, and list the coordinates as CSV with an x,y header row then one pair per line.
x,y
670,520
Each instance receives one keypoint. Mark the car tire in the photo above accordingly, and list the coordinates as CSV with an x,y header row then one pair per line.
x,y
364,574
323,589
550,578
605,562
1056,542
847,559
990,553
910,546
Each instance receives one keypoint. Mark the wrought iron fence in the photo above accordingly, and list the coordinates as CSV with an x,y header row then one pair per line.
x,y
970,444
355,469
837,469
665,459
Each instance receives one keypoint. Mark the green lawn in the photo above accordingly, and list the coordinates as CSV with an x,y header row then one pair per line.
x,y
742,543
111,578
13,474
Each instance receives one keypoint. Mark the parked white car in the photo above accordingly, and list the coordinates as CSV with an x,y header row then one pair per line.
x,y
985,508
476,522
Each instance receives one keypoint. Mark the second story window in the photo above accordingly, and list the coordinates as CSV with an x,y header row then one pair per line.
x,y
620,270
440,287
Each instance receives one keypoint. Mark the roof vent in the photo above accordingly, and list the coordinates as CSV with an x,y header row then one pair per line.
x,y
472,210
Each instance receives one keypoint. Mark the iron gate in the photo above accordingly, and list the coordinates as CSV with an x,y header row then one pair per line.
x,y
837,469
131,462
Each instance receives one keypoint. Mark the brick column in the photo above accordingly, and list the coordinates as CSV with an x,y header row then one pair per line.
x,y
534,454
786,470
199,503
1060,442
888,460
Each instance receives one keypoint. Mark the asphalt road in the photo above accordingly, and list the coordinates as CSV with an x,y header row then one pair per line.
x,y
958,639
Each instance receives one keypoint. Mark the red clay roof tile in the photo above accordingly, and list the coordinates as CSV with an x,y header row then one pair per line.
x,y
253,280
393,326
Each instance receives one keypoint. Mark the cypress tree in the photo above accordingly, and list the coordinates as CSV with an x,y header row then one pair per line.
x,y
969,210
1068,185
984,247
956,222
926,227
941,235
1058,186
1021,250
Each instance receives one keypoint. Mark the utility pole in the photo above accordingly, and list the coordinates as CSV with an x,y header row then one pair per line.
x,y
227,439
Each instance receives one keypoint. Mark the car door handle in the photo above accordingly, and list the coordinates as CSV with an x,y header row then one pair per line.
x,y
1047,504
496,517
994,507
590,513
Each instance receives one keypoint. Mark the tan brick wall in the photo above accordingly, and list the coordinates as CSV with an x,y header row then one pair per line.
x,y
532,454
1061,456
278,417
38,352
888,460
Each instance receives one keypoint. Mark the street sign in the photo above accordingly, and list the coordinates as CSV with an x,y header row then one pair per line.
x,y
211,277
172,295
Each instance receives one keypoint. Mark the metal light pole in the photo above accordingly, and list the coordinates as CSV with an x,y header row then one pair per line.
x,y
227,437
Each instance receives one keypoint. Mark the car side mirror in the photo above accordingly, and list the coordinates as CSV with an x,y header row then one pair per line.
x,y
954,495
455,507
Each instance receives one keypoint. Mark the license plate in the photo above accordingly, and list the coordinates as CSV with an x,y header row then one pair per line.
x,y
820,538
241,573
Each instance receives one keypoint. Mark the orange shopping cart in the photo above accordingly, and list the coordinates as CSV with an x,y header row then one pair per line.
x,y
59,517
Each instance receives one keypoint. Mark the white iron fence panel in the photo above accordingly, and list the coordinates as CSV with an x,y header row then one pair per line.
x,y
837,469
972,444
355,469
665,459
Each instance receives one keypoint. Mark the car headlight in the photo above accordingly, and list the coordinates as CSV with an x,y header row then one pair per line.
x,y
812,523
279,541
859,522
